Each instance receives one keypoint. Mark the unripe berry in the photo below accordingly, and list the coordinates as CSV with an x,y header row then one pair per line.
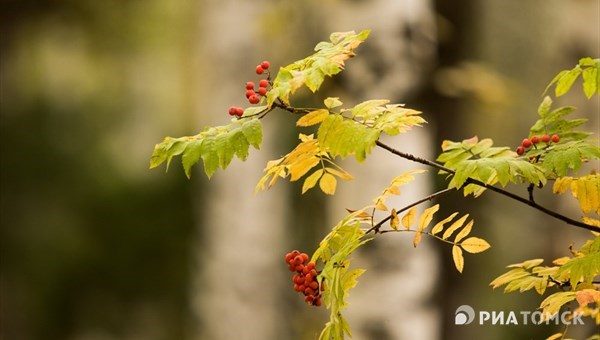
x,y
545,138
253,99
249,85
265,65
535,139
555,138
520,150
232,111
263,83
526,143
262,91
260,69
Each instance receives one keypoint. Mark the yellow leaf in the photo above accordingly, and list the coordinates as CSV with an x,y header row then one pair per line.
x,y
341,174
561,185
457,224
464,232
475,245
406,177
409,218
300,168
394,221
590,221
417,239
380,206
459,260
393,190
562,260
555,336
328,184
311,180
440,225
427,216
312,118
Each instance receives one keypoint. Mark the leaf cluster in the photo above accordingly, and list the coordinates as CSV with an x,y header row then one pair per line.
x,y
216,146
480,160
574,275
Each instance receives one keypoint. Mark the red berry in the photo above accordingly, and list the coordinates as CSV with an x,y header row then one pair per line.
x,y
265,65
317,302
308,278
292,267
263,83
304,257
253,99
535,139
260,69
239,111
299,268
526,143
232,111
262,91
297,288
520,150
249,85
305,270
555,138
288,257
322,286
311,265
309,299
314,285
250,93
297,260
301,288
545,138
309,291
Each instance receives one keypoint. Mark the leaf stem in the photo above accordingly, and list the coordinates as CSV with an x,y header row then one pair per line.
x,y
492,188
416,231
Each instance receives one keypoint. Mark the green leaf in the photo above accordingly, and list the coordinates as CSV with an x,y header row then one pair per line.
x,y
566,81
552,304
343,137
210,157
544,107
332,102
590,83
252,130
570,155
191,156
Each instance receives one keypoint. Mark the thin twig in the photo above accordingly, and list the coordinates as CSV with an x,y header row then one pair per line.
x,y
492,188
376,227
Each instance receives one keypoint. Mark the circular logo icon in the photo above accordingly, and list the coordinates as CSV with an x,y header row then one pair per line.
x,y
464,315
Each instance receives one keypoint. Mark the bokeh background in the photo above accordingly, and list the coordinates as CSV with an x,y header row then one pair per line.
x,y
94,245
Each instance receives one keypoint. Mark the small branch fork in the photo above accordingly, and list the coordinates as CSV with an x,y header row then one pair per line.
x,y
530,202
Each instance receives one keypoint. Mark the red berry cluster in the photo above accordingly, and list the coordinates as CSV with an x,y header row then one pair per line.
x,y
305,279
253,95
527,143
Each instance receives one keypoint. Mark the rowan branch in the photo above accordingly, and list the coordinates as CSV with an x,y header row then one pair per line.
x,y
503,192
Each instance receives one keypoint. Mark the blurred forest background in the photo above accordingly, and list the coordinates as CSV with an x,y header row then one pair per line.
x,y
93,245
